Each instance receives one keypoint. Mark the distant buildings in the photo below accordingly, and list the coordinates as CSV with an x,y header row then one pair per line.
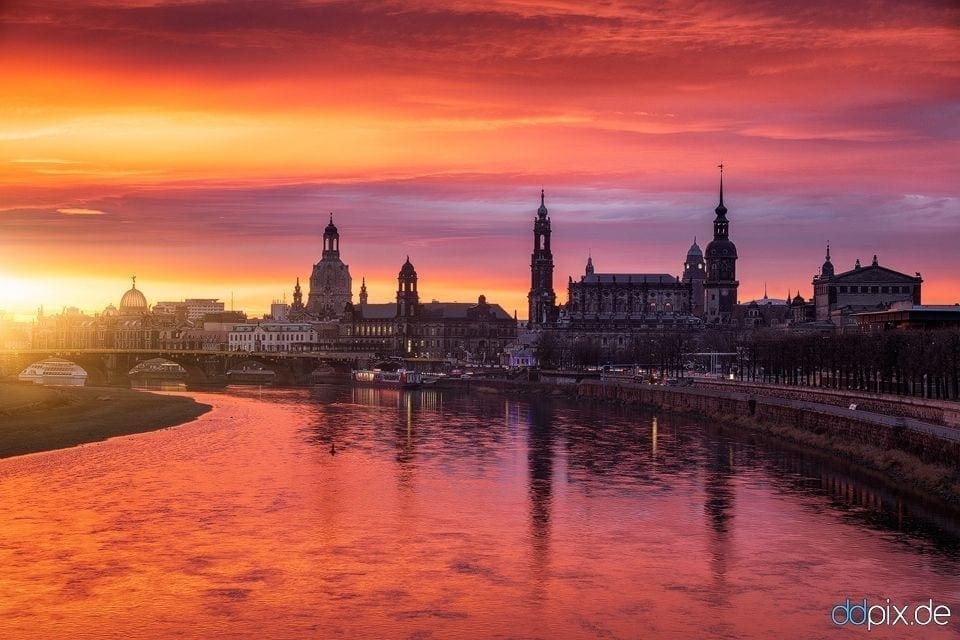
x,y
604,311
837,296
614,305
190,309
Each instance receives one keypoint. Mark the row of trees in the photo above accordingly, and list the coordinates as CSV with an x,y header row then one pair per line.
x,y
667,353
919,363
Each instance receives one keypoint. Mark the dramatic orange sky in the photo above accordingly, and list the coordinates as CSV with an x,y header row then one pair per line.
x,y
201,144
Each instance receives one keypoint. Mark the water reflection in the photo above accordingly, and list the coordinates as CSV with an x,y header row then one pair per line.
x,y
540,455
367,512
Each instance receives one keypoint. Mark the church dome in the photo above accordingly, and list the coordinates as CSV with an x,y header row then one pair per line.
x,y
407,269
133,301
110,311
694,251
798,299
721,247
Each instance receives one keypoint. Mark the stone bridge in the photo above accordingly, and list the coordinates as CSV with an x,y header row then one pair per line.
x,y
111,366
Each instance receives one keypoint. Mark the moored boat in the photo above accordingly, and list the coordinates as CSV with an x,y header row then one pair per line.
x,y
401,378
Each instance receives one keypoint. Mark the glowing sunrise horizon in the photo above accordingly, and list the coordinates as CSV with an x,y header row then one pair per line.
x,y
202,145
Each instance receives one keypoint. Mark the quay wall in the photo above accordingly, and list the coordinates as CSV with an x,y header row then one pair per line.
x,y
935,411
938,446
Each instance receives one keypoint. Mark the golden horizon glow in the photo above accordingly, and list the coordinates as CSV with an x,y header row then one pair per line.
x,y
202,149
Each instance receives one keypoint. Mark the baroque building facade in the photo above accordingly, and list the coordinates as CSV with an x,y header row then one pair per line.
x,y
477,332
837,296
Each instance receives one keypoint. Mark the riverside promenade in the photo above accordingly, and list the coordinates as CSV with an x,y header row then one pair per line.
x,y
807,413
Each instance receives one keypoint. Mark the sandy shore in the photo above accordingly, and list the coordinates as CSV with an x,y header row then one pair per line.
x,y
34,418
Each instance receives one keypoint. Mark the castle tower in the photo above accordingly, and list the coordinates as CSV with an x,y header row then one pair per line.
x,y
542,300
720,286
695,272
331,288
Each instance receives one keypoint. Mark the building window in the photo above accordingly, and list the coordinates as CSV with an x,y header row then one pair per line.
x,y
843,289
874,289
884,289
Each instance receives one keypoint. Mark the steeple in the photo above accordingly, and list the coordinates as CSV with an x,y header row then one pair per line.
x,y
363,291
720,286
826,270
542,299
297,306
721,210
589,269
720,223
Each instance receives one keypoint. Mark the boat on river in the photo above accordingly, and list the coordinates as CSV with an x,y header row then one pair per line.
x,y
401,378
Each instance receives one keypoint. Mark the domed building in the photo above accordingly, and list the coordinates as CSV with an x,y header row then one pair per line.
x,y
694,273
133,302
331,288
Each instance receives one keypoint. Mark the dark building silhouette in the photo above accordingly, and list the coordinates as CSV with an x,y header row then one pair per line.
x,y
542,300
694,274
720,287
330,285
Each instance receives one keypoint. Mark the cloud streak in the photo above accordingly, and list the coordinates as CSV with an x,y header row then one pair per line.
x,y
218,126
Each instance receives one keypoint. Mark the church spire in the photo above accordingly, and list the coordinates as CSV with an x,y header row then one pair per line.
x,y
542,211
721,210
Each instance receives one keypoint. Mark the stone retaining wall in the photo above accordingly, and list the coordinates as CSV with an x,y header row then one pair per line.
x,y
934,411
726,405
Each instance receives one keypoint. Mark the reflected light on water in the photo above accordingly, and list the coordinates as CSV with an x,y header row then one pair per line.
x,y
378,513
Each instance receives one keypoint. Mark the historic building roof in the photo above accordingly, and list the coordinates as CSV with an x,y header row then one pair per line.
x,y
629,278
133,301
407,268
872,273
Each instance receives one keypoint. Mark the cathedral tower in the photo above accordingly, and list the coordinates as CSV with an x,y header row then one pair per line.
x,y
720,287
331,289
542,299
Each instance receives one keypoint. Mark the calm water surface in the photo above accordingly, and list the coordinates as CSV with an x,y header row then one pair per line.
x,y
368,513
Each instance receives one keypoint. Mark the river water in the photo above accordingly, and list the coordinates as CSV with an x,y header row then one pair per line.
x,y
371,513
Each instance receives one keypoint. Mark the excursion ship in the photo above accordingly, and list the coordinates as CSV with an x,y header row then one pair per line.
x,y
54,371
401,378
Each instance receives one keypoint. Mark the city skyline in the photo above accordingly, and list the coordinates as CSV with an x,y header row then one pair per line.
x,y
202,147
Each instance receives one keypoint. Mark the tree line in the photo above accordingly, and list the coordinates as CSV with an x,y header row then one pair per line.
x,y
918,363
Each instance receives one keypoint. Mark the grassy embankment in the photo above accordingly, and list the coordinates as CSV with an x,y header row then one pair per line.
x,y
35,418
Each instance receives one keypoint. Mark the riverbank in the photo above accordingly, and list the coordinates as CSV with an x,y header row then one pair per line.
x,y
35,418
921,455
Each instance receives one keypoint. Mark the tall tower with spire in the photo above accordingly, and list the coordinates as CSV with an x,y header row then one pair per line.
x,y
363,291
720,286
331,288
297,307
542,300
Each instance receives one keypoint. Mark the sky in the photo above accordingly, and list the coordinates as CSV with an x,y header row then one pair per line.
x,y
201,145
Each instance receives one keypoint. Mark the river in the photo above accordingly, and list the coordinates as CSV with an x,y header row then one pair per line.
x,y
340,512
